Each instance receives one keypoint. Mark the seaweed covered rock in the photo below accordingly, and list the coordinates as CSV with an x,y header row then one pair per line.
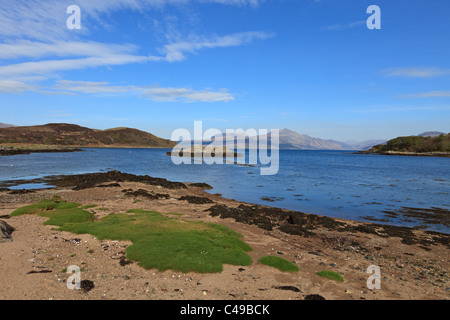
x,y
5,232
90,180
196,200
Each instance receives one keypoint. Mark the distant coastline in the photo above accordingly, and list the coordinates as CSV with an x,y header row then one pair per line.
x,y
404,153
424,146
14,150
74,136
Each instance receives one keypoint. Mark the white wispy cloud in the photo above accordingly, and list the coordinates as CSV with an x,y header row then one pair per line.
x,y
49,67
388,109
46,19
39,49
91,87
154,93
416,72
75,55
344,26
15,86
176,51
432,94
46,49
186,95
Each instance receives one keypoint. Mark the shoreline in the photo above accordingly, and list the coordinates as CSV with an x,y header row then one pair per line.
x,y
18,147
313,242
14,150
425,217
407,154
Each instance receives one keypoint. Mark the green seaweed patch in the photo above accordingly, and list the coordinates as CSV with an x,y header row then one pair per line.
x,y
158,241
330,275
167,243
279,263
174,214
59,212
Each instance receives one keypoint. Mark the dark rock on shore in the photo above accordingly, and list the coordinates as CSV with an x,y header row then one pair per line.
x,y
425,215
314,297
11,151
40,271
111,185
196,200
290,288
267,218
91,180
202,185
22,191
87,285
5,232
146,194
302,224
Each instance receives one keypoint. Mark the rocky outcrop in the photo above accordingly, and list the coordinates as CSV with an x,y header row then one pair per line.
x,y
5,232
11,151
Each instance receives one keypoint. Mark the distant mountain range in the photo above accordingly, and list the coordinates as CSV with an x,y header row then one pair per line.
x,y
73,135
64,134
431,134
5,125
292,140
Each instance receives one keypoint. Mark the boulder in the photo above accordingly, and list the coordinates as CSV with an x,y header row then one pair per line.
x,y
5,232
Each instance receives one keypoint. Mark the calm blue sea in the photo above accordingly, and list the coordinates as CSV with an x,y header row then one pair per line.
x,y
332,183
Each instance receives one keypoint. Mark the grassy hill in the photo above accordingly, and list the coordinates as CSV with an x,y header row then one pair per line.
x,y
415,144
63,134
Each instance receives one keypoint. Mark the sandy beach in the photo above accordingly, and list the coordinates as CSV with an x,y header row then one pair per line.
x,y
414,264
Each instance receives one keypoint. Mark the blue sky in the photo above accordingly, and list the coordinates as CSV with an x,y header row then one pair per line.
x,y
307,65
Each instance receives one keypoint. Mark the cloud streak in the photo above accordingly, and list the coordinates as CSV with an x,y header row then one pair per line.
x,y
186,95
45,20
15,86
416,72
432,94
76,55
154,93
38,49
176,51
386,109
342,26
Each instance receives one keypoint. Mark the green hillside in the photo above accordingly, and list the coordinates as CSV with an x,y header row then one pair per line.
x,y
415,144
63,134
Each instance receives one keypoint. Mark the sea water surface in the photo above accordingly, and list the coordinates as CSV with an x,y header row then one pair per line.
x,y
332,183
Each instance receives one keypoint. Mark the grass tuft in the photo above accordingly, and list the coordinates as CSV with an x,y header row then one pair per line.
x,y
158,241
59,212
330,275
279,263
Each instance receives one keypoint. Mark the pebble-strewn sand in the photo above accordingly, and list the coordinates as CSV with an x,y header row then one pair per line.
x,y
407,271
